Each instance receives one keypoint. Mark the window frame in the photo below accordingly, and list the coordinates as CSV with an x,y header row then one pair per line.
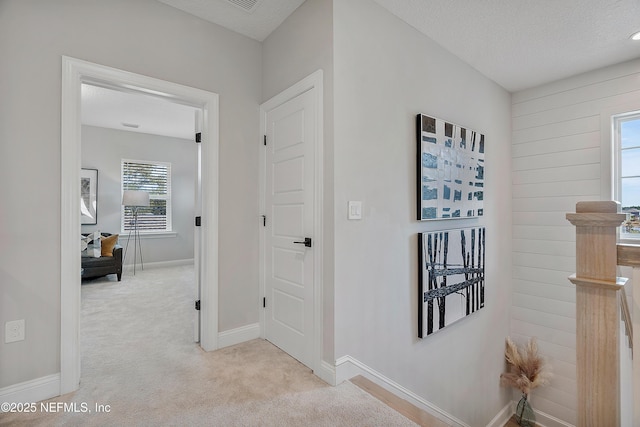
x,y
616,124
168,197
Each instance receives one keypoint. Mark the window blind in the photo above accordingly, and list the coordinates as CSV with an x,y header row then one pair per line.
x,y
155,179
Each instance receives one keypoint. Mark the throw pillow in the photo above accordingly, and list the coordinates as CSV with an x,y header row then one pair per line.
x,y
107,244
84,242
90,245
97,251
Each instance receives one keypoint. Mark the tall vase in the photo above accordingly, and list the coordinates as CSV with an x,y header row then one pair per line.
x,y
524,413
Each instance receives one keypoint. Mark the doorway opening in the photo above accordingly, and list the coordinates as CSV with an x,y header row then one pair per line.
x,y
74,74
141,145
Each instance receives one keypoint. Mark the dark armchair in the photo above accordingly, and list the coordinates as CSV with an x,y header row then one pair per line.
x,y
96,267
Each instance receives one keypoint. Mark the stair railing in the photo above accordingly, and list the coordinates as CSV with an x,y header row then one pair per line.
x,y
629,255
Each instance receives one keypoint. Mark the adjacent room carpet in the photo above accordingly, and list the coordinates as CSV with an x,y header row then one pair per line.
x,y
139,358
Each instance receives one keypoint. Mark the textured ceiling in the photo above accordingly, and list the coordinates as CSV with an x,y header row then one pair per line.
x,y
524,43
516,43
265,17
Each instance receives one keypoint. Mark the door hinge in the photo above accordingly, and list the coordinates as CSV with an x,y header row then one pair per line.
x,y
198,305
264,220
199,137
264,302
198,221
265,140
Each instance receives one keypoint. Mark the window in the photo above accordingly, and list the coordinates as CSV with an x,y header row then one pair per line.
x,y
627,171
154,178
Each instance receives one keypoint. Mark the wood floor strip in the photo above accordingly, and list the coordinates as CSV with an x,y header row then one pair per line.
x,y
415,414
410,411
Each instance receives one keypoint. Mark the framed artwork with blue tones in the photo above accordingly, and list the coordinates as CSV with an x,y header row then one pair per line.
x,y
450,170
451,277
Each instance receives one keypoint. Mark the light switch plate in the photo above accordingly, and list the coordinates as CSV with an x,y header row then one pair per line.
x,y
355,210
14,331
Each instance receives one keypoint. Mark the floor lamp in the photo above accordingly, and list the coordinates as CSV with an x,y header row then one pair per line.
x,y
134,199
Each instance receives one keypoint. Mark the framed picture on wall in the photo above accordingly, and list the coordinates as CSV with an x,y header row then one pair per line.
x,y
450,170
89,196
451,277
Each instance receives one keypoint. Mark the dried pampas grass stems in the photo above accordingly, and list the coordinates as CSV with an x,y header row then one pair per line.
x,y
527,370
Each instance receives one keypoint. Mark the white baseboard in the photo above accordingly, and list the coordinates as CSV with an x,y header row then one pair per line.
x,y
326,372
546,420
160,264
32,391
543,419
238,335
502,417
348,367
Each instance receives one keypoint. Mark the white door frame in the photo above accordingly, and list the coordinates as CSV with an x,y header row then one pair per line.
x,y
313,83
74,73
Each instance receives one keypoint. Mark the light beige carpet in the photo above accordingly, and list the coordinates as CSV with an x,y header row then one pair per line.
x,y
139,358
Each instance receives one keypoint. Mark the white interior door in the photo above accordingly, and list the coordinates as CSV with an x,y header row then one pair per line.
x,y
289,208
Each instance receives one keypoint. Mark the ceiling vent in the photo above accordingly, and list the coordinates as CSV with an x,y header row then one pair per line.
x,y
246,5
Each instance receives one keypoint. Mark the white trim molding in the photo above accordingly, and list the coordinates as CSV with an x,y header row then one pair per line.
x,y
162,264
75,72
150,235
502,417
238,335
545,420
327,373
313,83
31,391
348,367
607,146
542,418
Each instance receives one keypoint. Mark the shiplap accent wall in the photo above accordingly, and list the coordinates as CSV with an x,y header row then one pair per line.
x,y
560,157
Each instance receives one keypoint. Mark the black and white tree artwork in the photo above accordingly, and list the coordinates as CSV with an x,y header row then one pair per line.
x,y
451,277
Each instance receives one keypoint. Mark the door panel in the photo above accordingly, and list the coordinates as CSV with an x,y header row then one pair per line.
x,y
287,266
288,220
288,176
289,130
289,311
289,199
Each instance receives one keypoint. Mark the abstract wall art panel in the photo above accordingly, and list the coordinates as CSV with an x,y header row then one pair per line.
x,y
450,170
451,277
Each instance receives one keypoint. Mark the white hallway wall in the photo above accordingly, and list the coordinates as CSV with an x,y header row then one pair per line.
x,y
144,37
558,160
103,149
386,73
